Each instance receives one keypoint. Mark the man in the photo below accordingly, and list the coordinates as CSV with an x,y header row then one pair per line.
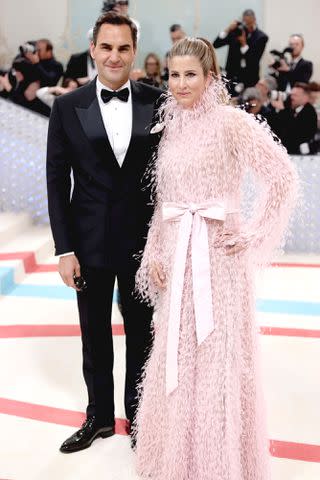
x,y
101,132
299,70
81,66
246,46
45,65
296,124
176,33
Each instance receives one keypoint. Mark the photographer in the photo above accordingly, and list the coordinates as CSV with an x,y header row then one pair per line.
x,y
295,69
296,123
47,69
246,46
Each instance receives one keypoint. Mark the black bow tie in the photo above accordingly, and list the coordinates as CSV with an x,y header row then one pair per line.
x,y
107,95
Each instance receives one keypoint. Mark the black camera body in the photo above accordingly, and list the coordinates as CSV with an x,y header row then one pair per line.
x,y
239,30
108,6
28,47
287,52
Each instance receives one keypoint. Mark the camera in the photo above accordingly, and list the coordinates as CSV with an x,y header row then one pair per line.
x,y
276,95
108,6
28,47
240,29
285,55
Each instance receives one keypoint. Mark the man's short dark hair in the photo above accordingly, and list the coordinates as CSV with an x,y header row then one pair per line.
x,y
304,86
249,13
113,18
175,27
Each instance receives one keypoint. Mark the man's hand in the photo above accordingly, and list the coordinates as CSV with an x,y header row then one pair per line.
x,y
284,67
5,83
232,26
32,57
68,267
278,104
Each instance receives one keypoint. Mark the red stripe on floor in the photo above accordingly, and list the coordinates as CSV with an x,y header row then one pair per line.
x,y
295,451
59,416
28,331
296,265
28,258
290,332
43,413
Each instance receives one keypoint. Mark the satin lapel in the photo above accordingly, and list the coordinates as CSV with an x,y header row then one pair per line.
x,y
92,124
142,115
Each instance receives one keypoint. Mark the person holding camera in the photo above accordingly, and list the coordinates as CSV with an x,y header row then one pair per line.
x,y
246,46
46,67
296,69
81,66
296,122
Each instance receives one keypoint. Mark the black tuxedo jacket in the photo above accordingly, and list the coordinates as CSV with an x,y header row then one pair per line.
x,y
296,129
77,66
302,72
106,219
250,74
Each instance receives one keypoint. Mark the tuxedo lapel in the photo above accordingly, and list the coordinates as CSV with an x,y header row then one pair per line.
x,y
142,115
91,120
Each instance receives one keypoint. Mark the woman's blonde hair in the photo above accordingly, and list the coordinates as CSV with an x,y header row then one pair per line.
x,y
200,48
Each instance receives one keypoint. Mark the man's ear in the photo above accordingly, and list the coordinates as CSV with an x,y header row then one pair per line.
x,y
92,49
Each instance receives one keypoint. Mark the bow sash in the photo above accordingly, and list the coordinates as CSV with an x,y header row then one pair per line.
x,y
192,222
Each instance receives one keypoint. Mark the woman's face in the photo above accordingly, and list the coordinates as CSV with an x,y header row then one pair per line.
x,y
187,81
151,66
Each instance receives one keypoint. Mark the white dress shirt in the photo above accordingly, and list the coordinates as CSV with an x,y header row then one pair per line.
x,y
117,120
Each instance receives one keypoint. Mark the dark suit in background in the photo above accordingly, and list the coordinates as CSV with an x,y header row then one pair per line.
x,y
105,224
295,128
77,66
243,68
299,72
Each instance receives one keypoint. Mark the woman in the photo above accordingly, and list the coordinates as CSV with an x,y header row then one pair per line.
x,y
152,67
201,415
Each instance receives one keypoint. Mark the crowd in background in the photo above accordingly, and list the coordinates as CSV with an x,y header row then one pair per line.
x,y
283,95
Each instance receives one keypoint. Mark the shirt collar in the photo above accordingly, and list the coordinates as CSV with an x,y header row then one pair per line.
x,y
100,86
296,60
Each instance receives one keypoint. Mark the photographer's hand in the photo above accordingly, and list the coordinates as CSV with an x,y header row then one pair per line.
x,y
5,83
284,67
32,57
278,104
232,26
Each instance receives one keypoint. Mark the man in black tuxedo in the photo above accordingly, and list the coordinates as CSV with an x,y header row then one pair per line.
x,y
299,70
246,46
101,132
81,66
296,123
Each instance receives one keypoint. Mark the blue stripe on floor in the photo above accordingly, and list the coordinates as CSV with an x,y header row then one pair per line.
x,y
61,292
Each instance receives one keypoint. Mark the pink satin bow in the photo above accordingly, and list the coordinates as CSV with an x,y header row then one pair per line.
x,y
192,222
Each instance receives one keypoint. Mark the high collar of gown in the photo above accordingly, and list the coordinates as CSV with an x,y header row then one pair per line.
x,y
214,95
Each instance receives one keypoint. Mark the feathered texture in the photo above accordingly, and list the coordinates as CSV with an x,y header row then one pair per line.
x,y
212,425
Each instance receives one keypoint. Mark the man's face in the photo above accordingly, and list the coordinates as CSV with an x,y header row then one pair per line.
x,y
177,35
114,54
249,21
296,44
43,53
298,97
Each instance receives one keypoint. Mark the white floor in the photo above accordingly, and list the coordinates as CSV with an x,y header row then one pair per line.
x,y
46,371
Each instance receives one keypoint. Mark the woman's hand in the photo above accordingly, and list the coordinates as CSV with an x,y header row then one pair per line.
x,y
232,242
157,275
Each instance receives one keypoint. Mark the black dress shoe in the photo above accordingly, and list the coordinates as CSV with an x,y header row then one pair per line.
x,y
84,437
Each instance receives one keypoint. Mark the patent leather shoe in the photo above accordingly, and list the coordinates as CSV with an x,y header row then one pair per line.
x,y
83,438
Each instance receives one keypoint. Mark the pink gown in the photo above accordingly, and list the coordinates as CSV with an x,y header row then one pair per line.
x,y
211,426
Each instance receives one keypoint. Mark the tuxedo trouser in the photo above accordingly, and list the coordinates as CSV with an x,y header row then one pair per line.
x,y
95,307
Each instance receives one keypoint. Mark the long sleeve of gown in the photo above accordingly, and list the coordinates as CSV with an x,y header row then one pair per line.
x,y
152,254
258,151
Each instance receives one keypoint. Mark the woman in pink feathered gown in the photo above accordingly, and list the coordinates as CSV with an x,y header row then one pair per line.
x,y
201,413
